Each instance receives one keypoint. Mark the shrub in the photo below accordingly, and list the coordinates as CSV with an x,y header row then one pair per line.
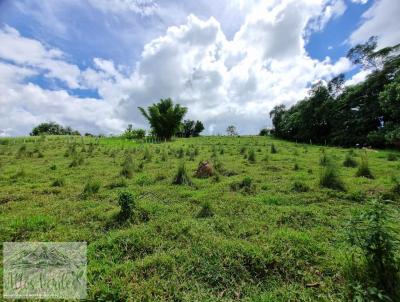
x,y
300,187
324,159
59,182
147,155
376,274
21,151
251,156
78,160
273,149
182,177
127,167
206,211
126,203
296,167
330,178
363,169
242,150
349,161
91,187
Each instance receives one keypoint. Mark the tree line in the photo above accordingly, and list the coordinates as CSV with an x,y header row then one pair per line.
x,y
365,114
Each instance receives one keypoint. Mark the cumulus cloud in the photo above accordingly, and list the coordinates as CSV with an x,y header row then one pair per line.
x,y
382,20
222,80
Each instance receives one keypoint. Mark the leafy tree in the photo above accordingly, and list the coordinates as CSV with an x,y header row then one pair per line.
x,y
164,117
231,131
198,128
52,128
191,128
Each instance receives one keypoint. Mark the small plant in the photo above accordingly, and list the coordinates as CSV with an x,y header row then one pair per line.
x,y
180,153
127,167
246,186
296,167
126,203
330,178
363,169
77,160
375,276
273,149
182,177
147,155
242,150
163,155
206,211
53,167
251,156
21,151
300,187
349,161
392,157
59,182
324,159
91,188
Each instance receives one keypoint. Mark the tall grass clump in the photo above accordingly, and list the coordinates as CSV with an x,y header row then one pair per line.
x,y
206,211
21,152
273,149
324,160
251,156
363,169
392,157
127,167
373,271
349,161
91,187
182,177
147,155
126,203
329,178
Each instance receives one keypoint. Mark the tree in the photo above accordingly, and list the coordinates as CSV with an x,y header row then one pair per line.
x,y
164,117
191,128
231,131
52,128
198,128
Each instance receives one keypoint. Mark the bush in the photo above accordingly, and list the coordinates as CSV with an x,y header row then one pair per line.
x,y
78,160
246,186
206,211
182,177
330,178
376,273
296,167
363,169
126,203
127,167
273,149
349,161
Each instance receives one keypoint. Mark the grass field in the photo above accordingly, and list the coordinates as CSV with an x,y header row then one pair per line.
x,y
275,236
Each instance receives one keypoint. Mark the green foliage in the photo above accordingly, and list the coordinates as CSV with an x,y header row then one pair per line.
x,y
251,156
191,128
91,187
329,178
126,203
375,269
392,157
363,169
245,186
273,149
131,133
349,161
164,117
181,176
127,167
52,129
78,160
300,187
59,182
206,211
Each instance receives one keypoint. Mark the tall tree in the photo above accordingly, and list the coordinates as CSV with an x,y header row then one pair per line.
x,y
164,118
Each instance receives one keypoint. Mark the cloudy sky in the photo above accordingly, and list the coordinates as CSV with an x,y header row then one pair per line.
x,y
89,64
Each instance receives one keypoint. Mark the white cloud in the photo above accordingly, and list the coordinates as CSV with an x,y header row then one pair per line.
x,y
382,20
142,7
359,1
222,80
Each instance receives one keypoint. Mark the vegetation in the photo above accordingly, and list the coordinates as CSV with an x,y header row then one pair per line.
x,y
164,117
52,128
191,128
366,114
251,232
131,133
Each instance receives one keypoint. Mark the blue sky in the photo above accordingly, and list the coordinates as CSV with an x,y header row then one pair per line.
x,y
89,64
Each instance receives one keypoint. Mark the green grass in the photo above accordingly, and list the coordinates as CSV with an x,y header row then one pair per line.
x,y
261,230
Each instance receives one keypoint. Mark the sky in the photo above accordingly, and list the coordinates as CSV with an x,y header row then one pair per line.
x,y
89,64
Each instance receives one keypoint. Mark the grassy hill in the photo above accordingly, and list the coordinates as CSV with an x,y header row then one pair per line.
x,y
261,229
